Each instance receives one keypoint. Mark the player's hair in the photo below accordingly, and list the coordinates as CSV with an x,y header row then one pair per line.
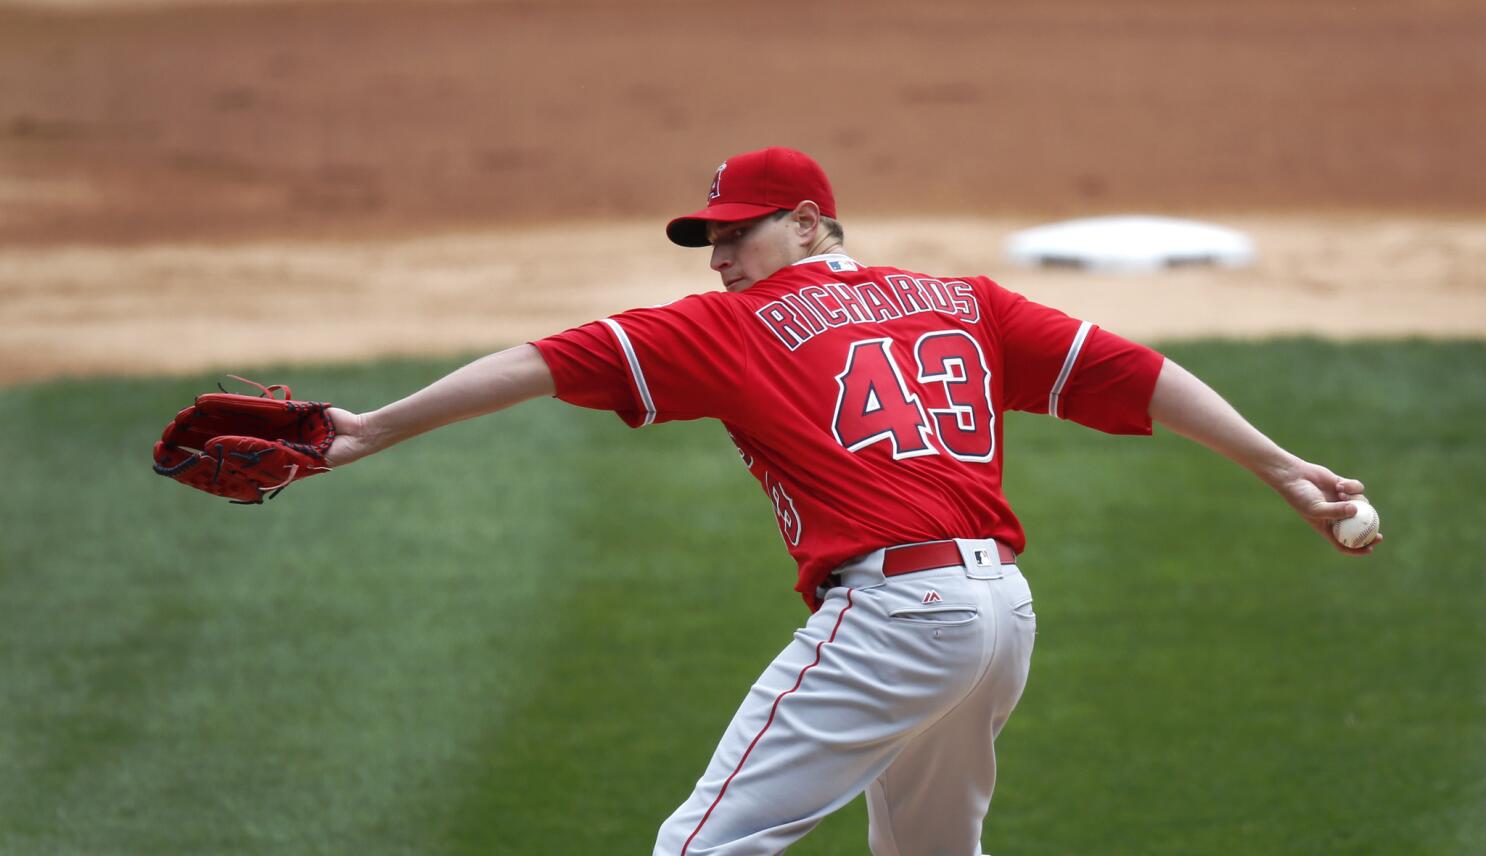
x,y
833,228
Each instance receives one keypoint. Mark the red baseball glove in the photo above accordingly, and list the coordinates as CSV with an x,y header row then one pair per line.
x,y
245,447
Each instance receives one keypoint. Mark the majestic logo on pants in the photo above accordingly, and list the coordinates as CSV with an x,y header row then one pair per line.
x,y
932,596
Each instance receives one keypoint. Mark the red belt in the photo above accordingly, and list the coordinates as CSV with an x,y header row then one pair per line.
x,y
934,554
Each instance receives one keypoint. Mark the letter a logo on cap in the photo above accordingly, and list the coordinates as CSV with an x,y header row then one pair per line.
x,y
716,189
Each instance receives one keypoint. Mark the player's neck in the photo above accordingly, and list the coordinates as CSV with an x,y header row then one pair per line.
x,y
825,245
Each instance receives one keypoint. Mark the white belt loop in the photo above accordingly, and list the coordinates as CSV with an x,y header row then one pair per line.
x,y
862,572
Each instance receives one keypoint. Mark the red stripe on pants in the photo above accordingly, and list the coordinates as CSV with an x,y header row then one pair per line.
x,y
772,710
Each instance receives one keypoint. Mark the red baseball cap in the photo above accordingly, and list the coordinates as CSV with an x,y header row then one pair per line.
x,y
754,184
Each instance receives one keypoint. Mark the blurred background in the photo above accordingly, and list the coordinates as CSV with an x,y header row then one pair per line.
x,y
504,167
421,656
146,121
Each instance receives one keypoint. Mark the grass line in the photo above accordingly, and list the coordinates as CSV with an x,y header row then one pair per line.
x,y
532,628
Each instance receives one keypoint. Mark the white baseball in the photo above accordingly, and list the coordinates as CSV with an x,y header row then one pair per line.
x,y
1360,529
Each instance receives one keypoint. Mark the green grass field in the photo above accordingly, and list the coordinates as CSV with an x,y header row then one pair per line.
x,y
523,634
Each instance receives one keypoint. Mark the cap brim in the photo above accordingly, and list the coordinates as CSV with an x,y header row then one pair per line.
x,y
691,230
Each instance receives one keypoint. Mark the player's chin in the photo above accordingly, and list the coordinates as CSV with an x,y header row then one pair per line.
x,y
737,284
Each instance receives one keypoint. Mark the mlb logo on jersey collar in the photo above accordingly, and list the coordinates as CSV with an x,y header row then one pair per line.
x,y
837,262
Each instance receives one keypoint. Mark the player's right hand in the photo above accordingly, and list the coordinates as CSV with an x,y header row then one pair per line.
x,y
1320,496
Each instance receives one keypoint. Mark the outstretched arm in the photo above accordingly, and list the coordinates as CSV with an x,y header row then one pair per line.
x,y
486,385
1189,407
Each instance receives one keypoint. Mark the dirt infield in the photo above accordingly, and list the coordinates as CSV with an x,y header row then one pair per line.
x,y
171,308
251,181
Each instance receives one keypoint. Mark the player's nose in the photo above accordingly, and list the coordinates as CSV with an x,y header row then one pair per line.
x,y
720,258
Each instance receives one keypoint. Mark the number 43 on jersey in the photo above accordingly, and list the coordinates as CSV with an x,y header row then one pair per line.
x,y
875,403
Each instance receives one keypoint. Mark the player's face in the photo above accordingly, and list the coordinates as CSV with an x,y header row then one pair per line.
x,y
747,251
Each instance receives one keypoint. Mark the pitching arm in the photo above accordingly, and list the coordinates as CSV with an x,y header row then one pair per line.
x,y
1187,406
486,385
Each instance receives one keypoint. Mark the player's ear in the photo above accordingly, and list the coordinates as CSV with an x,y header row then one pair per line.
x,y
805,220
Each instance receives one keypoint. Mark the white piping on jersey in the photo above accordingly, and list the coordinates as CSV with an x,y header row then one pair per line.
x,y
1068,361
634,367
837,261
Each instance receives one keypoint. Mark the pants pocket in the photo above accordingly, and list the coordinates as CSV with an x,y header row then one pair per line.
x,y
942,614
1019,595
1023,609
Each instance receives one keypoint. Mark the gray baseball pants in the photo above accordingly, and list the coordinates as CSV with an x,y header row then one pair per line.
x,y
897,686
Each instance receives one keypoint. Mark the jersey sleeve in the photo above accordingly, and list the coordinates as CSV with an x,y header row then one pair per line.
x,y
1072,369
684,360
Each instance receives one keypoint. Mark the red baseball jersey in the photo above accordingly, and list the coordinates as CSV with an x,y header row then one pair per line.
x,y
865,400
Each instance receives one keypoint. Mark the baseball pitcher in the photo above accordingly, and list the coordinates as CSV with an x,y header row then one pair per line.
x,y
867,401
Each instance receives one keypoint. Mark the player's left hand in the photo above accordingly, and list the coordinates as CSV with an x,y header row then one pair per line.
x,y
246,448
1320,496
352,438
